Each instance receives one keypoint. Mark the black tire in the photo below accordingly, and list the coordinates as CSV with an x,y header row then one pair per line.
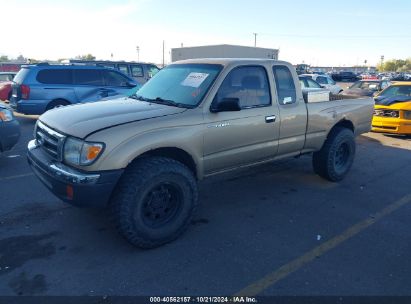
x,y
154,201
336,157
57,103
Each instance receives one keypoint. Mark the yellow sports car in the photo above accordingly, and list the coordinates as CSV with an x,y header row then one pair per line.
x,y
392,112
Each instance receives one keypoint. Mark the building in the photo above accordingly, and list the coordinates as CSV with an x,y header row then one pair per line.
x,y
222,51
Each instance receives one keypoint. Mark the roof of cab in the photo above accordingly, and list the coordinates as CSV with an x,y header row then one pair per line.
x,y
230,61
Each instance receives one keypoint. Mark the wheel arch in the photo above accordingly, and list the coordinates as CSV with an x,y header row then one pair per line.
x,y
177,154
343,123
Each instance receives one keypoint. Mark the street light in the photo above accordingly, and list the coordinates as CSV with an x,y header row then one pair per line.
x,y
138,53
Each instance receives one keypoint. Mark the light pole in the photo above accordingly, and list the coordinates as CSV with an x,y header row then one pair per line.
x,y
138,53
255,39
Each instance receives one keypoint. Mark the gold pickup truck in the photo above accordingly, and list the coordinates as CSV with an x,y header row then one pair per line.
x,y
143,155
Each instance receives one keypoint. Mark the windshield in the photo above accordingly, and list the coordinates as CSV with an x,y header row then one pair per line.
x,y
182,84
397,91
365,85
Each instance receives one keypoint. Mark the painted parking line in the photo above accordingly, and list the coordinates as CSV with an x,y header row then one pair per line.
x,y
15,176
287,269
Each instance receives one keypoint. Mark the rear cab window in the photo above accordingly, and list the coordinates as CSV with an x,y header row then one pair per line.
x,y
284,83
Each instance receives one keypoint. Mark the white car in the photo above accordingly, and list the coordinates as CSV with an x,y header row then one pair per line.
x,y
326,82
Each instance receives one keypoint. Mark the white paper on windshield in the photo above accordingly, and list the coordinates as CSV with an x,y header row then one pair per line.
x,y
194,80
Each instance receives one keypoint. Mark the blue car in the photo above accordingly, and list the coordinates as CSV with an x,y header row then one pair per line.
x,y
39,88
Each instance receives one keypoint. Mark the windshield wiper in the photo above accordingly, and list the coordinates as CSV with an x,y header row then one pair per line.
x,y
160,100
138,97
167,102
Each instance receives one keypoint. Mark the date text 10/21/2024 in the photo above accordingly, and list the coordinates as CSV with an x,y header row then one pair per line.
x,y
234,299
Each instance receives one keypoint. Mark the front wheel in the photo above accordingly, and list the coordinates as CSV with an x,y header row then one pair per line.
x,y
154,202
336,157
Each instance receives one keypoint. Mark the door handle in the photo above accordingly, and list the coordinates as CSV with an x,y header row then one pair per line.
x,y
270,118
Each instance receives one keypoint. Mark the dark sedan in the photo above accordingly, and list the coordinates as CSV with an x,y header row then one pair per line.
x,y
366,87
344,76
9,129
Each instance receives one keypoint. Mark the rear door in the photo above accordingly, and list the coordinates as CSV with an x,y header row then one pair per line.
x,y
293,112
247,136
117,84
89,85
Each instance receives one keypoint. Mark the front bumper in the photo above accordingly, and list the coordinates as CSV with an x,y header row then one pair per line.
x,y
79,188
9,134
391,125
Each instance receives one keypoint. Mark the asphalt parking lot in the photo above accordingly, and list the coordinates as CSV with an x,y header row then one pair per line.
x,y
273,230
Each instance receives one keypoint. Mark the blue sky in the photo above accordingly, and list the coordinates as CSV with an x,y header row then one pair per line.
x,y
320,33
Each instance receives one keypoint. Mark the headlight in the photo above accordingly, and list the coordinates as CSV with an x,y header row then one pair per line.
x,y
407,114
79,152
6,115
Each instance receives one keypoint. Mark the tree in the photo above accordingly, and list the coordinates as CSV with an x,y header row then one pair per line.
x,y
395,65
4,58
86,57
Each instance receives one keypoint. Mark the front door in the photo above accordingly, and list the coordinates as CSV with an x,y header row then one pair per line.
x,y
235,138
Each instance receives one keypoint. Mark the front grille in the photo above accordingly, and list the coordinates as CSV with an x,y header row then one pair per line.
x,y
386,113
49,140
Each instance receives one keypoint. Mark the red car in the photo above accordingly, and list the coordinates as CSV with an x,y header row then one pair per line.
x,y
5,90
5,84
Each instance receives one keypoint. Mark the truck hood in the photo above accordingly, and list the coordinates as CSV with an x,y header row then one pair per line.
x,y
389,100
80,120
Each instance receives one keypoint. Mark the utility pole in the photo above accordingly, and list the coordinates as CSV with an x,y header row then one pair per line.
x,y
255,39
138,53
163,53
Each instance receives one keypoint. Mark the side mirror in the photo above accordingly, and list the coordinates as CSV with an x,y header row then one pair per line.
x,y
226,105
131,84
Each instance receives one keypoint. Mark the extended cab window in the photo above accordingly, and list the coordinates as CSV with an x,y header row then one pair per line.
x,y
88,77
285,85
55,76
249,84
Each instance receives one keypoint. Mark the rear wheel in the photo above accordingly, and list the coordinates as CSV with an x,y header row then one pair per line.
x,y
154,201
336,157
